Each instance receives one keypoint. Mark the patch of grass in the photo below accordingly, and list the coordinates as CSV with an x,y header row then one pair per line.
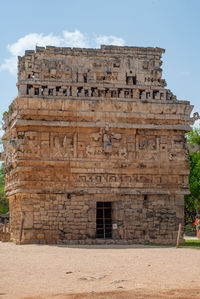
x,y
159,244
188,244
191,244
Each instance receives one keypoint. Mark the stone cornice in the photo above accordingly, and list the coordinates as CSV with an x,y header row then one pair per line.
x,y
20,122
122,191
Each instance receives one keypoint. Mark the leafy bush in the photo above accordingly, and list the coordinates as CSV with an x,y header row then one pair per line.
x,y
192,201
4,203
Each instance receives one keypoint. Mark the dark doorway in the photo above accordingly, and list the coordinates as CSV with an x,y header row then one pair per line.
x,y
104,220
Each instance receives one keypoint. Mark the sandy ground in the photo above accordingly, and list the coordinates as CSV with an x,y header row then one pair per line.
x,y
42,271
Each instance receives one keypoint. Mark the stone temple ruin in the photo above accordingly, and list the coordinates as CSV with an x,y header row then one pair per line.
x,y
95,149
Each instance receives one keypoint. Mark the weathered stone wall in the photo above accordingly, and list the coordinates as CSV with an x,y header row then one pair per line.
x,y
60,219
90,126
4,232
75,159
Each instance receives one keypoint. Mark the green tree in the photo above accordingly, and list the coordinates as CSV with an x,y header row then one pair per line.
x,y
193,137
192,201
4,203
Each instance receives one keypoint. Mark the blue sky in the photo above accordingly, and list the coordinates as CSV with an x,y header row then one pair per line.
x,y
170,24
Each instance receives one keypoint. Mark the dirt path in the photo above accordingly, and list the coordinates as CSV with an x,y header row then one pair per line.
x,y
42,271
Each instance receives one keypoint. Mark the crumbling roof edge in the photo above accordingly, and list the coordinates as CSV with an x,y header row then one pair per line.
x,y
104,49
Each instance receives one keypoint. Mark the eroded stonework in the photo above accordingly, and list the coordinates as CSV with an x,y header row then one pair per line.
x,y
95,148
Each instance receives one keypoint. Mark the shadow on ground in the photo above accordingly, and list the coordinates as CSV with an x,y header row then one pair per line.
x,y
132,294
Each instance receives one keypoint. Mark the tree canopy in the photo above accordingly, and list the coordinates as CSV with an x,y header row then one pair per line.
x,y
4,204
193,136
192,201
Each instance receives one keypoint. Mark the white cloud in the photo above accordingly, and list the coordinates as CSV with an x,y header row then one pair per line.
x,y
75,39
110,40
10,64
67,39
196,124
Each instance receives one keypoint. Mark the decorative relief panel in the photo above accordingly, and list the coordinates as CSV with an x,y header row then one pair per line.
x,y
70,74
138,181
147,143
107,143
46,144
